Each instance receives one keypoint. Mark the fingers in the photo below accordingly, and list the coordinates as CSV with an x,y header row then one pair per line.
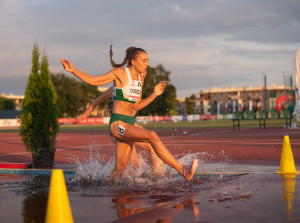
x,y
63,60
160,87
67,65
80,118
163,85
144,74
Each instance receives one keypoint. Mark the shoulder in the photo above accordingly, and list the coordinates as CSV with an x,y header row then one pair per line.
x,y
120,74
118,71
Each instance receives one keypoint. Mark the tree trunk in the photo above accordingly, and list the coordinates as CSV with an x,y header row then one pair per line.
x,y
44,159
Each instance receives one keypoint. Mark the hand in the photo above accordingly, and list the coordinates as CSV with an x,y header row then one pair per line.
x,y
67,65
144,74
81,117
159,88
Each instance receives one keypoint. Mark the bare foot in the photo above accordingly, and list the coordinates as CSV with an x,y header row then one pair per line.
x,y
188,172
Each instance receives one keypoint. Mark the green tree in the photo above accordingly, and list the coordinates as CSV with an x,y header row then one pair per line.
x,y
7,104
39,115
190,104
72,96
165,103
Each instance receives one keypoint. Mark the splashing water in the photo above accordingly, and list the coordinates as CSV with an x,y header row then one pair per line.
x,y
94,170
97,170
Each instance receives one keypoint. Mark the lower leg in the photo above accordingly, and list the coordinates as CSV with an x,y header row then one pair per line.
x,y
163,153
134,160
156,163
123,152
133,133
166,156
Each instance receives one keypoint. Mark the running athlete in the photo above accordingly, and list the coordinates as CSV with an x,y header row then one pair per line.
x,y
156,162
127,84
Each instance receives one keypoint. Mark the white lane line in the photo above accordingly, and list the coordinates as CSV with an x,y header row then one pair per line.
x,y
180,143
10,154
77,147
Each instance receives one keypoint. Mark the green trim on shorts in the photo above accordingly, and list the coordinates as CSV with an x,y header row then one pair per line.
x,y
118,117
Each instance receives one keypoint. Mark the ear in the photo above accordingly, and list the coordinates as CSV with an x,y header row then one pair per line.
x,y
133,62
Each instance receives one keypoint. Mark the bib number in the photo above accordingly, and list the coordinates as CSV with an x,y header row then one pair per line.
x,y
121,130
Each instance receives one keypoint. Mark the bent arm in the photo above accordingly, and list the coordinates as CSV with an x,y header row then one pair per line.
x,y
158,90
144,102
92,80
105,95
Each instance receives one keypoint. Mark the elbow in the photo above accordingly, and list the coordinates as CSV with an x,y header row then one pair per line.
x,y
93,82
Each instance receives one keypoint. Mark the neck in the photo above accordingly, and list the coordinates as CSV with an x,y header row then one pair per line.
x,y
133,72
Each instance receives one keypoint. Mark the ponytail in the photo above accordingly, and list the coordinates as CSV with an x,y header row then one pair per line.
x,y
131,53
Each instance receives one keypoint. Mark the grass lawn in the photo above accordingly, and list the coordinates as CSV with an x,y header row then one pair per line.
x,y
170,125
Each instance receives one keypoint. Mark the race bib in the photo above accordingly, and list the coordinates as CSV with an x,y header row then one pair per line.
x,y
135,88
121,130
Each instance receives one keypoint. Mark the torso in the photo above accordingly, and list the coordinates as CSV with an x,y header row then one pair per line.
x,y
131,88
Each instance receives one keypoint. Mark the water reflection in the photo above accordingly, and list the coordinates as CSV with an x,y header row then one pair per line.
x,y
288,182
126,206
189,205
35,201
34,208
130,209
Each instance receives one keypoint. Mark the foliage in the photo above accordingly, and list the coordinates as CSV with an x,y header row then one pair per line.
x,y
7,104
190,104
165,103
73,96
39,115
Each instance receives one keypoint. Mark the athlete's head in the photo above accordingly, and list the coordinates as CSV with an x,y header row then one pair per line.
x,y
136,57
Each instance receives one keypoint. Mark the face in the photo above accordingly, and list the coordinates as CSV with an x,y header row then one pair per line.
x,y
140,63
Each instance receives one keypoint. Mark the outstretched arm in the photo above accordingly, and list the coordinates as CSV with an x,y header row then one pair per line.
x,y
105,95
158,90
92,80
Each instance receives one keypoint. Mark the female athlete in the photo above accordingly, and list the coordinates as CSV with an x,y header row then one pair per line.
x,y
127,87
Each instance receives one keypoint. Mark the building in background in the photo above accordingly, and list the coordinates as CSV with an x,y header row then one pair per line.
x,y
18,99
229,100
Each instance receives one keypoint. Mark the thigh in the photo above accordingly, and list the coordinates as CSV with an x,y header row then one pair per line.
x,y
126,132
143,145
137,125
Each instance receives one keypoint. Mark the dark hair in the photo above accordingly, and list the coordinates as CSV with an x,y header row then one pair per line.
x,y
130,54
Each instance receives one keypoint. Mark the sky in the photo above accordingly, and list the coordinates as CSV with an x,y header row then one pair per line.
x,y
203,43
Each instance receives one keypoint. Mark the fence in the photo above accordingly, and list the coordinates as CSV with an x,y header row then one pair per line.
x,y
139,119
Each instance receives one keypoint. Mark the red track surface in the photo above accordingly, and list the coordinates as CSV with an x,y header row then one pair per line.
x,y
248,145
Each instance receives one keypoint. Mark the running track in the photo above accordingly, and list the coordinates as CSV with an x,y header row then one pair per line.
x,y
248,145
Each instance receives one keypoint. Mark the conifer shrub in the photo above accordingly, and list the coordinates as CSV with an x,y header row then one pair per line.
x,y
39,125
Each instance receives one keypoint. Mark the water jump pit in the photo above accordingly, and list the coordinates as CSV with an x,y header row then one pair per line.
x,y
259,196
223,190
